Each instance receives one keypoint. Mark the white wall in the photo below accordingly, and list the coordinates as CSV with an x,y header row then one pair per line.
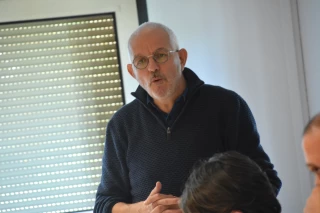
x,y
126,19
309,14
252,47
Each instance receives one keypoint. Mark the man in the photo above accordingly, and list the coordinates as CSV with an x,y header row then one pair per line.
x,y
311,148
175,120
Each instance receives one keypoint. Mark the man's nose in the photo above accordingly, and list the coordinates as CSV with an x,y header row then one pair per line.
x,y
153,65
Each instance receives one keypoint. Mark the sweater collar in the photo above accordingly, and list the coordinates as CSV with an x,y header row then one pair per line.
x,y
193,82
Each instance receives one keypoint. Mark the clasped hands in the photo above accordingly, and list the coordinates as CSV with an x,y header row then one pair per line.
x,y
160,203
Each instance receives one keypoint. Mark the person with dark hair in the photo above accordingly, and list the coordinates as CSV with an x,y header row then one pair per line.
x,y
174,120
229,183
311,148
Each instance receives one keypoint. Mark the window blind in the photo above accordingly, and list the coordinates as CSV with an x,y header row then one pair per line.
x,y
60,84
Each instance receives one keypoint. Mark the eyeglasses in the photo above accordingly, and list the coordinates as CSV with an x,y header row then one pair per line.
x,y
160,56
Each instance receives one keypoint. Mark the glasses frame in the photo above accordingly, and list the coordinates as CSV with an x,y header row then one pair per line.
x,y
152,55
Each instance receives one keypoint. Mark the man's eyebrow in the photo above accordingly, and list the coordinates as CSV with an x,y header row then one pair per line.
x,y
139,54
161,48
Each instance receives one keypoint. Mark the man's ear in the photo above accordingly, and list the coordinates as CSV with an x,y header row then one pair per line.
x,y
183,55
130,70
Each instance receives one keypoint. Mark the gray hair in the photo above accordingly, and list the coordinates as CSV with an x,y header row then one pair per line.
x,y
153,25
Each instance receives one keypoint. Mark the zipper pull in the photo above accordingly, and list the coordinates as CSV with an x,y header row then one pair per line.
x,y
168,133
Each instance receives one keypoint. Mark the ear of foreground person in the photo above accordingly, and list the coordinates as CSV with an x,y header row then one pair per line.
x,y
229,182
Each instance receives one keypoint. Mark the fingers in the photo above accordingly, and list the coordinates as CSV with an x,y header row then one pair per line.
x,y
165,209
173,211
170,206
156,189
158,203
167,201
159,209
153,198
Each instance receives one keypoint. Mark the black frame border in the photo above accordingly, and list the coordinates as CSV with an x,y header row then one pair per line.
x,y
142,11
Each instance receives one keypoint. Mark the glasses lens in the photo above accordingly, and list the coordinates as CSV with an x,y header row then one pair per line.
x,y
160,56
140,62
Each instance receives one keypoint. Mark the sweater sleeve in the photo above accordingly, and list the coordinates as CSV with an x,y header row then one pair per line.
x,y
114,186
241,135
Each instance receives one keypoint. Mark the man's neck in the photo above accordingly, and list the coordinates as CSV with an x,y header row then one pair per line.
x,y
164,106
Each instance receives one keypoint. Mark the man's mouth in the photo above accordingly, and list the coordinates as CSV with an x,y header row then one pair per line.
x,y
155,80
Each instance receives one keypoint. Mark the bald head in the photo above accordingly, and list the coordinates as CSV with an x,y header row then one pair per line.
x,y
313,123
151,26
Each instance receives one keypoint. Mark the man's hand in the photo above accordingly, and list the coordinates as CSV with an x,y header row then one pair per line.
x,y
313,202
157,202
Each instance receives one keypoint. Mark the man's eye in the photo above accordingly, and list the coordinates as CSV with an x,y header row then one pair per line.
x,y
315,169
160,57
141,61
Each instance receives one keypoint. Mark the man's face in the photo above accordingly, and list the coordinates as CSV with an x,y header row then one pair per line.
x,y
160,80
311,148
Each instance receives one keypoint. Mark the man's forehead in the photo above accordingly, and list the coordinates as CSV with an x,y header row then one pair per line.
x,y
147,41
150,38
311,142
311,146
313,136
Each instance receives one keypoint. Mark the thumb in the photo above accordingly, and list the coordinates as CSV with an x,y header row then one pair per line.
x,y
158,187
154,191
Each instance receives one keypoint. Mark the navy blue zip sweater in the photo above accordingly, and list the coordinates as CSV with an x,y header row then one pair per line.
x,y
141,150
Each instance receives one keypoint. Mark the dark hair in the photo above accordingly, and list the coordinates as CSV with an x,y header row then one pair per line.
x,y
314,122
229,181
